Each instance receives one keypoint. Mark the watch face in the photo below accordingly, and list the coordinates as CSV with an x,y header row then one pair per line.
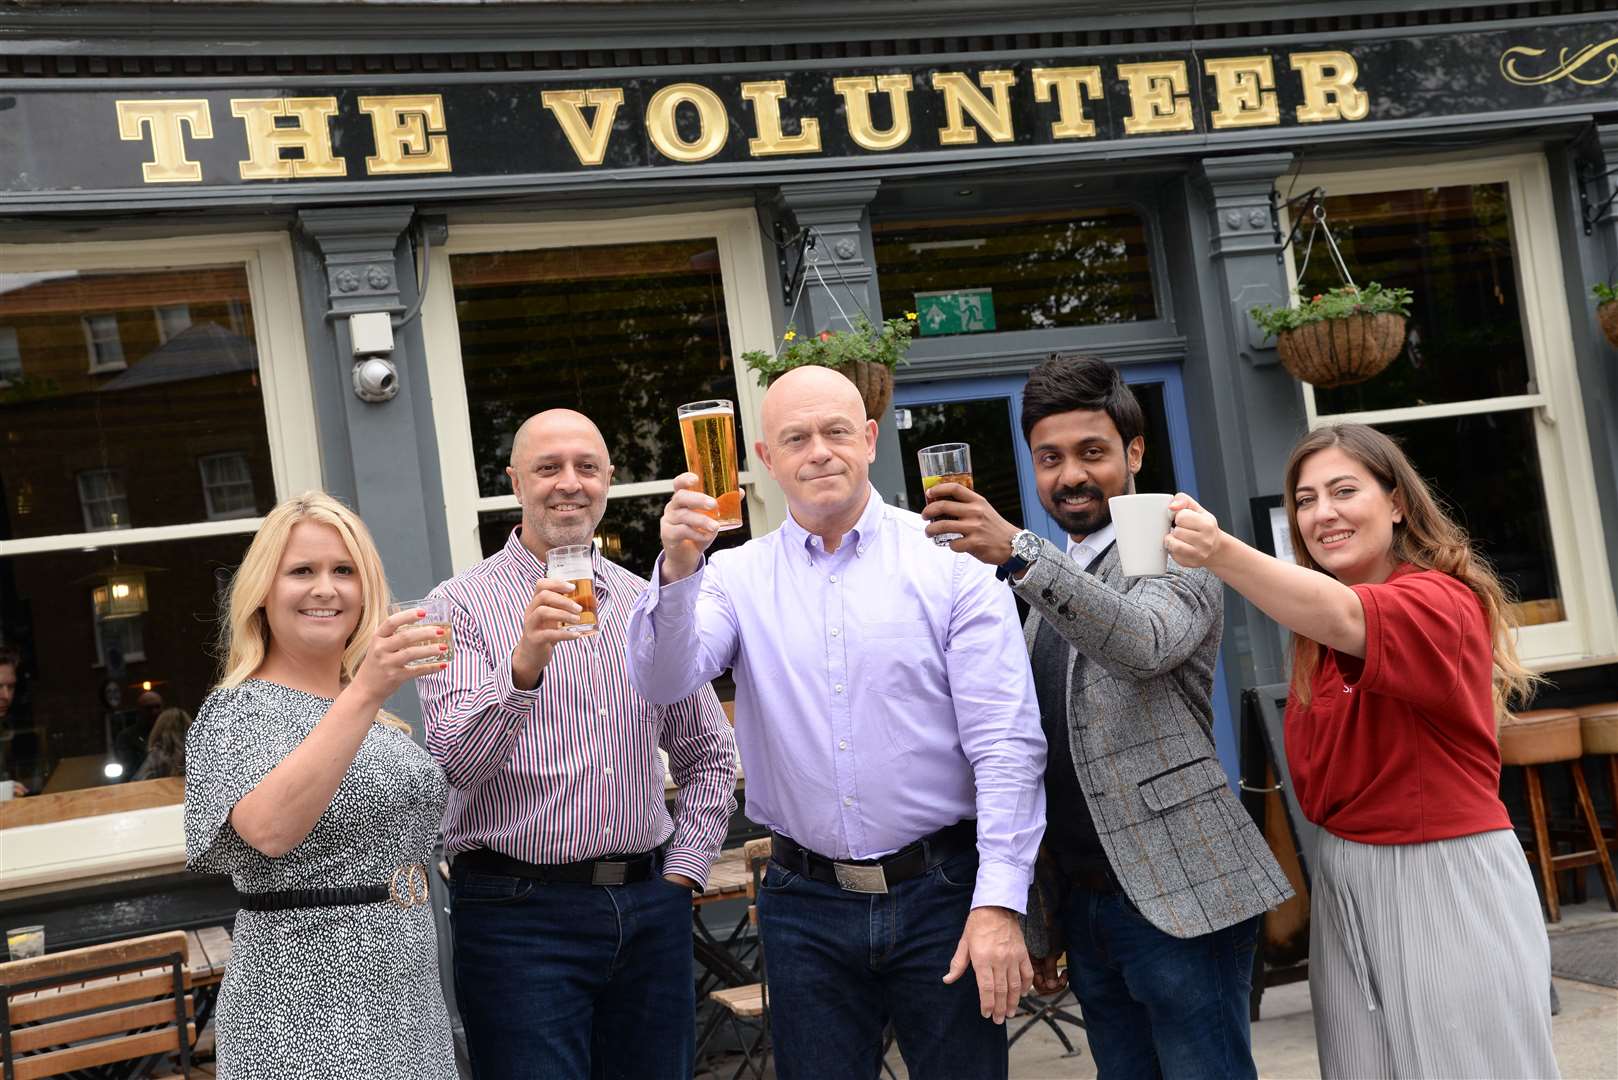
x,y
1025,545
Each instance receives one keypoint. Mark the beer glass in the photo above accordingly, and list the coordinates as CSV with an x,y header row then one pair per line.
x,y
572,563
437,609
946,463
708,429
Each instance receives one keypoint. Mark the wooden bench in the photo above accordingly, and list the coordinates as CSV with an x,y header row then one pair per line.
x,y
127,1001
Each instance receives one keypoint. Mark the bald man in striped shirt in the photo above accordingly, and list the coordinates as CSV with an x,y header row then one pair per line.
x,y
571,881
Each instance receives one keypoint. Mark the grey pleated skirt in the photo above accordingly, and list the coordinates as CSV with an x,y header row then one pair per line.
x,y
1429,960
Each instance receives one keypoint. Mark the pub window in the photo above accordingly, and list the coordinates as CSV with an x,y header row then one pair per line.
x,y
103,342
621,332
171,320
120,566
10,356
1042,270
103,500
1488,364
227,486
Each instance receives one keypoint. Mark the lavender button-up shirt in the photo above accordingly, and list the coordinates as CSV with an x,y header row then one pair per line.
x,y
882,690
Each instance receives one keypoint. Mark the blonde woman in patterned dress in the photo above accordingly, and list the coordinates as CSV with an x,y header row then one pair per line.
x,y
323,811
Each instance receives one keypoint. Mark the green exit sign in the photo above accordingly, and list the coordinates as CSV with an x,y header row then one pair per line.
x,y
961,311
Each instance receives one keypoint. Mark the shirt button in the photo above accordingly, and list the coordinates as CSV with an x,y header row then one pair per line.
x,y
842,744
606,829
608,770
833,579
848,800
835,631
838,689
602,713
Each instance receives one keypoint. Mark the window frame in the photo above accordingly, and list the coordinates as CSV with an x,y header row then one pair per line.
x,y
740,244
92,343
163,335
1589,633
127,841
85,502
208,488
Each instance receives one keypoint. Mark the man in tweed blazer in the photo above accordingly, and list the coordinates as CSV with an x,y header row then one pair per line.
x,y
1151,876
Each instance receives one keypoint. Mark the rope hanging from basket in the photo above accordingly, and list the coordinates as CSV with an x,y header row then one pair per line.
x,y
813,238
1317,214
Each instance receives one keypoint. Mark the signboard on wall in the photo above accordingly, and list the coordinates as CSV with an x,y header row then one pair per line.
x,y
310,132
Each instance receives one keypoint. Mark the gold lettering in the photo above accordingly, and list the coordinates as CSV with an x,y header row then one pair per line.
x,y
266,141
856,91
961,97
1244,87
1071,85
164,118
713,126
589,141
409,132
1329,92
1159,97
766,98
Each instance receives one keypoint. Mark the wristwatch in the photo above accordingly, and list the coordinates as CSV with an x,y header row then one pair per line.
x,y
1024,551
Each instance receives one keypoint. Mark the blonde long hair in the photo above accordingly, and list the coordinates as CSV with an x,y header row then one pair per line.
x,y
244,633
1427,538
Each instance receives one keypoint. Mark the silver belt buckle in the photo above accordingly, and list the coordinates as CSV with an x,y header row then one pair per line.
x,y
609,873
861,879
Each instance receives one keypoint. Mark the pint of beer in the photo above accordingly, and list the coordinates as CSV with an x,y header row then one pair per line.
x,y
708,429
946,463
572,564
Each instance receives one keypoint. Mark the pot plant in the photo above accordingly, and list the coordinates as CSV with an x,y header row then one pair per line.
x,y
1339,337
866,352
1607,310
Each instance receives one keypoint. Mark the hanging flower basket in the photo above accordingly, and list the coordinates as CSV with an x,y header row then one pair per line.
x,y
866,353
1607,311
1340,337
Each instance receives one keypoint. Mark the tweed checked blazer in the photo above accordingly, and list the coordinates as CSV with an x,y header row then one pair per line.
x,y
1140,724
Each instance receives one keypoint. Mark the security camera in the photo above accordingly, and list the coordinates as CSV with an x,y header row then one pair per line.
x,y
376,379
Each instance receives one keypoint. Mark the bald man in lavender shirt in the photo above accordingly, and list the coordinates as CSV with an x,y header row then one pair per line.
x,y
890,734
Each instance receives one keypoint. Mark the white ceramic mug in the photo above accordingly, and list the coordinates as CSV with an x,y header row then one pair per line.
x,y
8,788
1142,523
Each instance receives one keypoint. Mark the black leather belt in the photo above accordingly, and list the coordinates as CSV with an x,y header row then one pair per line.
x,y
1093,877
618,870
878,875
407,888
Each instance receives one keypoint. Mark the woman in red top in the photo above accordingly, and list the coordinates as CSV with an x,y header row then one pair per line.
x,y
1427,954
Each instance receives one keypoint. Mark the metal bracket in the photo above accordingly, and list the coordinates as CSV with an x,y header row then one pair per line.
x,y
1596,213
805,239
1312,197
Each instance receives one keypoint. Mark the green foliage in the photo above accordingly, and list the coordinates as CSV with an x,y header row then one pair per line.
x,y
883,343
1337,303
1606,291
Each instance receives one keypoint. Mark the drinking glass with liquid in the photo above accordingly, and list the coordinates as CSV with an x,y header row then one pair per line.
x,y
573,564
708,430
437,615
946,463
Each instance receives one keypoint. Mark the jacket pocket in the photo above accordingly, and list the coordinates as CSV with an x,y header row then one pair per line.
x,y
1182,783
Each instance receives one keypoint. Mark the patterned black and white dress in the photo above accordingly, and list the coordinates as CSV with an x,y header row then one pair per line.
x,y
321,992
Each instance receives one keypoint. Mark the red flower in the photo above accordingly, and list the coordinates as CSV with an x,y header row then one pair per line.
x,y
825,335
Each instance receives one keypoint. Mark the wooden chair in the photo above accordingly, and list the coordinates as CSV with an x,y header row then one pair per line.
x,y
748,1006
76,1011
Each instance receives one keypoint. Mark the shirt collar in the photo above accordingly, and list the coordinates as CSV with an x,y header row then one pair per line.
x,y
860,535
532,569
1085,552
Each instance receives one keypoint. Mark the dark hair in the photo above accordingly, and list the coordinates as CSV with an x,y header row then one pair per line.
x,y
11,657
1065,382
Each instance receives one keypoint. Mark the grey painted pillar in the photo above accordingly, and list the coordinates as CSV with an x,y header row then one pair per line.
x,y
1237,378
840,280
378,448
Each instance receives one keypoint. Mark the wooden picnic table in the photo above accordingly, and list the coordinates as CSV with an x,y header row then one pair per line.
x,y
728,879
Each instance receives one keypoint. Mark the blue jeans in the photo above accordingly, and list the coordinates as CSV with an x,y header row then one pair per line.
x,y
565,982
841,965
1156,1005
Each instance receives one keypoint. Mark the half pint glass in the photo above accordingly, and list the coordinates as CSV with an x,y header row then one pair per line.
x,y
708,429
946,463
573,564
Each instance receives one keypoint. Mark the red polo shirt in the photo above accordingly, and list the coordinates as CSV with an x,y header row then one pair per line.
x,y
1400,747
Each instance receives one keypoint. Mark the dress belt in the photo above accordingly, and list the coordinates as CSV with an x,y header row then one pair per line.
x,y
617,870
877,875
406,889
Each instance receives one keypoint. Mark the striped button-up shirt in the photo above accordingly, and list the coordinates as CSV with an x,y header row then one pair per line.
x,y
569,770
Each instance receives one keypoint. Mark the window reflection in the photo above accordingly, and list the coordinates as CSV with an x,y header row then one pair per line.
x,y
94,682
623,333
119,386
1033,271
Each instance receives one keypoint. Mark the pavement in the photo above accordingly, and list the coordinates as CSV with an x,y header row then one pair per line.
x,y
1585,1032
